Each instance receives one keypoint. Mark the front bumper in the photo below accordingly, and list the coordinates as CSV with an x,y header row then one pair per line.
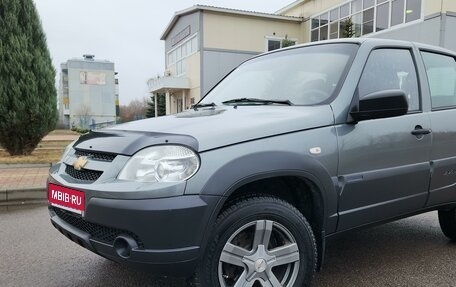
x,y
162,235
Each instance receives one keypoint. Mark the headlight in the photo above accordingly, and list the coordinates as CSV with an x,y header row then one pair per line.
x,y
161,164
67,149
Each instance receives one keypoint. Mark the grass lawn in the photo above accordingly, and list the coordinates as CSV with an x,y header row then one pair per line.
x,y
48,151
38,156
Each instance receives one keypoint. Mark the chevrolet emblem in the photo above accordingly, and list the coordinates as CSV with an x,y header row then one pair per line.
x,y
80,162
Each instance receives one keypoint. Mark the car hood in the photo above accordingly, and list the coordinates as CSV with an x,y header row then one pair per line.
x,y
208,128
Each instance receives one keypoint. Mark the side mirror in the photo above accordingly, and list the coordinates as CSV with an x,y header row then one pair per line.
x,y
378,105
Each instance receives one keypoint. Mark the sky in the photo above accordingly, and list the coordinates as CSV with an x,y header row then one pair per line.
x,y
124,32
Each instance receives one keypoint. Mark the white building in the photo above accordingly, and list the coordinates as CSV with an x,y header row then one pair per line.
x,y
88,93
203,43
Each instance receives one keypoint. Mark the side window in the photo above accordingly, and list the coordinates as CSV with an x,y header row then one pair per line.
x,y
441,73
390,69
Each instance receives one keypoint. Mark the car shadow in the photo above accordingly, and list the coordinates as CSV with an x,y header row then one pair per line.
x,y
409,252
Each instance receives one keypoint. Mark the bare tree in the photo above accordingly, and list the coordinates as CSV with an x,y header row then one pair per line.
x,y
84,116
135,110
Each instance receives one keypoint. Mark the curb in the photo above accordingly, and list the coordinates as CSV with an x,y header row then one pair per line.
x,y
22,196
23,205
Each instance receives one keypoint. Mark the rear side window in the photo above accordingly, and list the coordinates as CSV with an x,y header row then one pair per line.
x,y
390,69
441,73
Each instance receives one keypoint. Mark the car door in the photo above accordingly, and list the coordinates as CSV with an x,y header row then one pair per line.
x,y
384,169
441,75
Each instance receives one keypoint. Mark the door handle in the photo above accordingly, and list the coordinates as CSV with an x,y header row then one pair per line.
x,y
418,131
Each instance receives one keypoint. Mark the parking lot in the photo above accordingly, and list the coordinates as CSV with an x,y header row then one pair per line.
x,y
410,252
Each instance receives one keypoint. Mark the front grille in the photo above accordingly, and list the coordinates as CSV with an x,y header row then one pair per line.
x,y
98,232
83,174
96,155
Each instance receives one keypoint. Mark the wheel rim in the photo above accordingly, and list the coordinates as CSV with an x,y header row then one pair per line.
x,y
260,253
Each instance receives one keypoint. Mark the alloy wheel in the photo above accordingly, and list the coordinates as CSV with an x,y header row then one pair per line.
x,y
260,253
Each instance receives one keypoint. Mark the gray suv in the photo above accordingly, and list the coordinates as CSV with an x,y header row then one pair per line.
x,y
289,149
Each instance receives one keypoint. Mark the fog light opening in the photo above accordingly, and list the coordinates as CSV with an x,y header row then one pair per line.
x,y
123,245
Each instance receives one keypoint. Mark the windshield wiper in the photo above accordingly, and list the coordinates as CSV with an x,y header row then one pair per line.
x,y
200,105
260,101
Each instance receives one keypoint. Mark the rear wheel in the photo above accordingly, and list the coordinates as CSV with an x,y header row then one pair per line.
x,y
447,220
259,241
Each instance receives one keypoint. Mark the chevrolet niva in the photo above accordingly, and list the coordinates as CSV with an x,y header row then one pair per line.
x,y
292,147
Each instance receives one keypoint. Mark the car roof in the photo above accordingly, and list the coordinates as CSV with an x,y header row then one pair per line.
x,y
374,42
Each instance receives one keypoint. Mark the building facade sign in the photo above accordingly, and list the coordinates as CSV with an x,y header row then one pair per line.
x,y
181,36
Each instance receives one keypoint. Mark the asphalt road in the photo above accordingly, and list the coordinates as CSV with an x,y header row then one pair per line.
x,y
410,252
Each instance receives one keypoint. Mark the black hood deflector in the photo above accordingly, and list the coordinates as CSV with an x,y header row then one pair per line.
x,y
129,142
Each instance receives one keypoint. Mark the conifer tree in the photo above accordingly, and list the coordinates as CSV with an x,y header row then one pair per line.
x,y
348,31
161,108
28,108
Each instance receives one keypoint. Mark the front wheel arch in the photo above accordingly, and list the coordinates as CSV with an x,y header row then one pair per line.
x,y
293,187
229,178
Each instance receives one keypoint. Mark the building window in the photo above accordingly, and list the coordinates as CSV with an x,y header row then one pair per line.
x,y
364,16
356,6
178,55
334,15
382,17
368,21
344,10
368,4
324,33
334,30
413,10
314,35
274,43
397,12
357,22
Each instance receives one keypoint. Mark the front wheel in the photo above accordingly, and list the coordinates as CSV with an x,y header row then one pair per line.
x,y
447,220
259,241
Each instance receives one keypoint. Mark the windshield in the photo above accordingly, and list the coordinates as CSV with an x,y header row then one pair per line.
x,y
302,76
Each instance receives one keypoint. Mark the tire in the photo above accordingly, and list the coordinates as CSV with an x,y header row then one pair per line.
x,y
259,241
447,220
